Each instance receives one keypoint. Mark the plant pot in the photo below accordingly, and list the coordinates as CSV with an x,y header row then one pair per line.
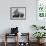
x,y
40,41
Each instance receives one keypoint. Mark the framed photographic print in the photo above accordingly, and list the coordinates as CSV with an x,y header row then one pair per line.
x,y
41,8
18,13
41,12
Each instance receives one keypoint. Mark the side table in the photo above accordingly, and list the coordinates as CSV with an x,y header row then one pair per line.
x,y
8,34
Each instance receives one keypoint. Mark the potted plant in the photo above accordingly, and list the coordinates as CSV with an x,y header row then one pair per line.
x,y
39,35
35,26
38,27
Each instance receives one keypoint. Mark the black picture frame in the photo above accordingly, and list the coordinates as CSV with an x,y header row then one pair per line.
x,y
18,13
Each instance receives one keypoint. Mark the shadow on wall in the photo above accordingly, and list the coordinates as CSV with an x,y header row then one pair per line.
x,y
7,30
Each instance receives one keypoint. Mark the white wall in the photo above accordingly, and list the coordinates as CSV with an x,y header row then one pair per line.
x,y
24,25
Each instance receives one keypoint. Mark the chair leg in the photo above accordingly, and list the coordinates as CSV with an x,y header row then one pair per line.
x,y
5,43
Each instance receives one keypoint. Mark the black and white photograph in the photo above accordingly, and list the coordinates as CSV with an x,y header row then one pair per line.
x,y
18,13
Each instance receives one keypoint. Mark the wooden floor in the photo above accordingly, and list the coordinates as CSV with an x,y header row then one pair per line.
x,y
13,44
